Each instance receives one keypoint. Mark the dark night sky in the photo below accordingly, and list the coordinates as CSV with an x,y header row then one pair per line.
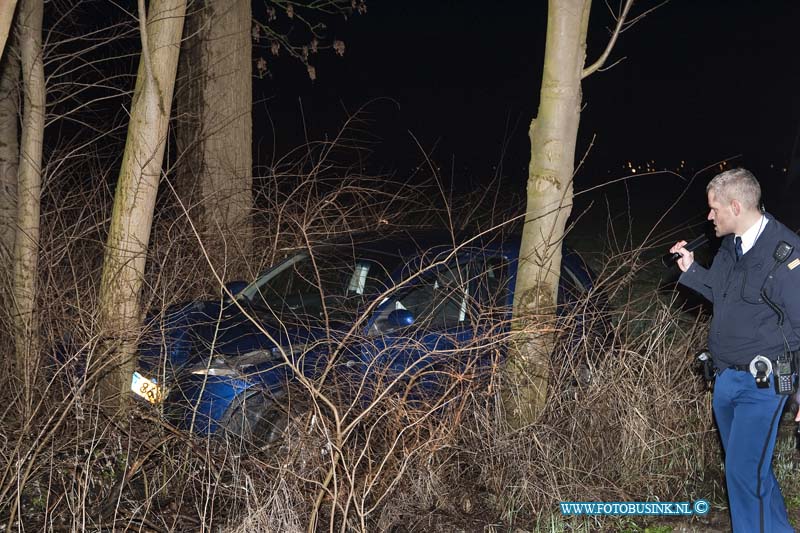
x,y
702,81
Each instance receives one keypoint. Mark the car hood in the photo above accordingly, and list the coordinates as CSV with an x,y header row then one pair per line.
x,y
190,333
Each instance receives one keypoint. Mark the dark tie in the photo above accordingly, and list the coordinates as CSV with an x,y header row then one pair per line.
x,y
738,246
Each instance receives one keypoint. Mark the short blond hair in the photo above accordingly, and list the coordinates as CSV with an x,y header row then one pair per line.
x,y
737,184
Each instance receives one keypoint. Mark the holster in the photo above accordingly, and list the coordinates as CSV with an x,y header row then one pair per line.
x,y
706,364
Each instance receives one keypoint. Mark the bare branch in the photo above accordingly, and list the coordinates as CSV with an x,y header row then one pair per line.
x,y
640,16
620,22
145,47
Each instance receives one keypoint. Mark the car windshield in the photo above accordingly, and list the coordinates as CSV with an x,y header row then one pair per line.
x,y
313,287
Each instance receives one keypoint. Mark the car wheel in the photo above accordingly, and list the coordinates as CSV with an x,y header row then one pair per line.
x,y
256,419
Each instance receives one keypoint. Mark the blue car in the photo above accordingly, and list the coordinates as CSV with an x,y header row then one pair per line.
x,y
405,312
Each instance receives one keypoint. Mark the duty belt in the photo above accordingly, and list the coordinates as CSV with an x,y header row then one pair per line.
x,y
746,367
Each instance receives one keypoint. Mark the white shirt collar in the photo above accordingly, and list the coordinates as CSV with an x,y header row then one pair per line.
x,y
749,237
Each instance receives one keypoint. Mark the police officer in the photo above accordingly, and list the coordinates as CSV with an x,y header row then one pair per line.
x,y
744,273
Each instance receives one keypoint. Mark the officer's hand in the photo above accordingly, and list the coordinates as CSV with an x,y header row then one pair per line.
x,y
687,257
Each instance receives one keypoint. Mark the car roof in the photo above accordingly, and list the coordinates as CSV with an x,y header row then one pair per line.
x,y
394,247
407,243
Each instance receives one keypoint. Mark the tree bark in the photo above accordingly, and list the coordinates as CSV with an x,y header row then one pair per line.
x,y
135,196
215,127
26,240
9,162
6,17
553,137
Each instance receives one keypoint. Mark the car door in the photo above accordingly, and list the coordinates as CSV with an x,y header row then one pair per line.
x,y
454,321
491,292
419,353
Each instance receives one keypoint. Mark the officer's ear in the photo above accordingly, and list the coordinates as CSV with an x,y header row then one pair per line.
x,y
736,207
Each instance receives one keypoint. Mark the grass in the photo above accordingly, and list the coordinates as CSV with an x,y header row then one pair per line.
x,y
785,464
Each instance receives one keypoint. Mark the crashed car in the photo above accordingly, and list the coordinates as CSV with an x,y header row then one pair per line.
x,y
361,316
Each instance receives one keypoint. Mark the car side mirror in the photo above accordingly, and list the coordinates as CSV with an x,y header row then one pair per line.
x,y
399,318
234,287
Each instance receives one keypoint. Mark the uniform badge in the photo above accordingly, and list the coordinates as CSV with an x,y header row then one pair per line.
x,y
794,264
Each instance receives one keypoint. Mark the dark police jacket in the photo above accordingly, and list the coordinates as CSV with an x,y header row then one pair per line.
x,y
743,325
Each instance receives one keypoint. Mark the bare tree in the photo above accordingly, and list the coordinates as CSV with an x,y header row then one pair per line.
x,y
135,194
214,103
215,131
9,157
553,134
6,16
29,189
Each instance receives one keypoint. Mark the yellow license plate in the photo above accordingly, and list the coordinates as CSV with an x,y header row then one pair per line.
x,y
147,389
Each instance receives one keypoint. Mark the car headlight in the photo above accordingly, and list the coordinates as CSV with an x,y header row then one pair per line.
x,y
216,366
236,365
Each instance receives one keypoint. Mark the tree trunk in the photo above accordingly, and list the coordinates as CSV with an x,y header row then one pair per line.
x,y
26,240
135,196
6,16
215,127
9,163
553,137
